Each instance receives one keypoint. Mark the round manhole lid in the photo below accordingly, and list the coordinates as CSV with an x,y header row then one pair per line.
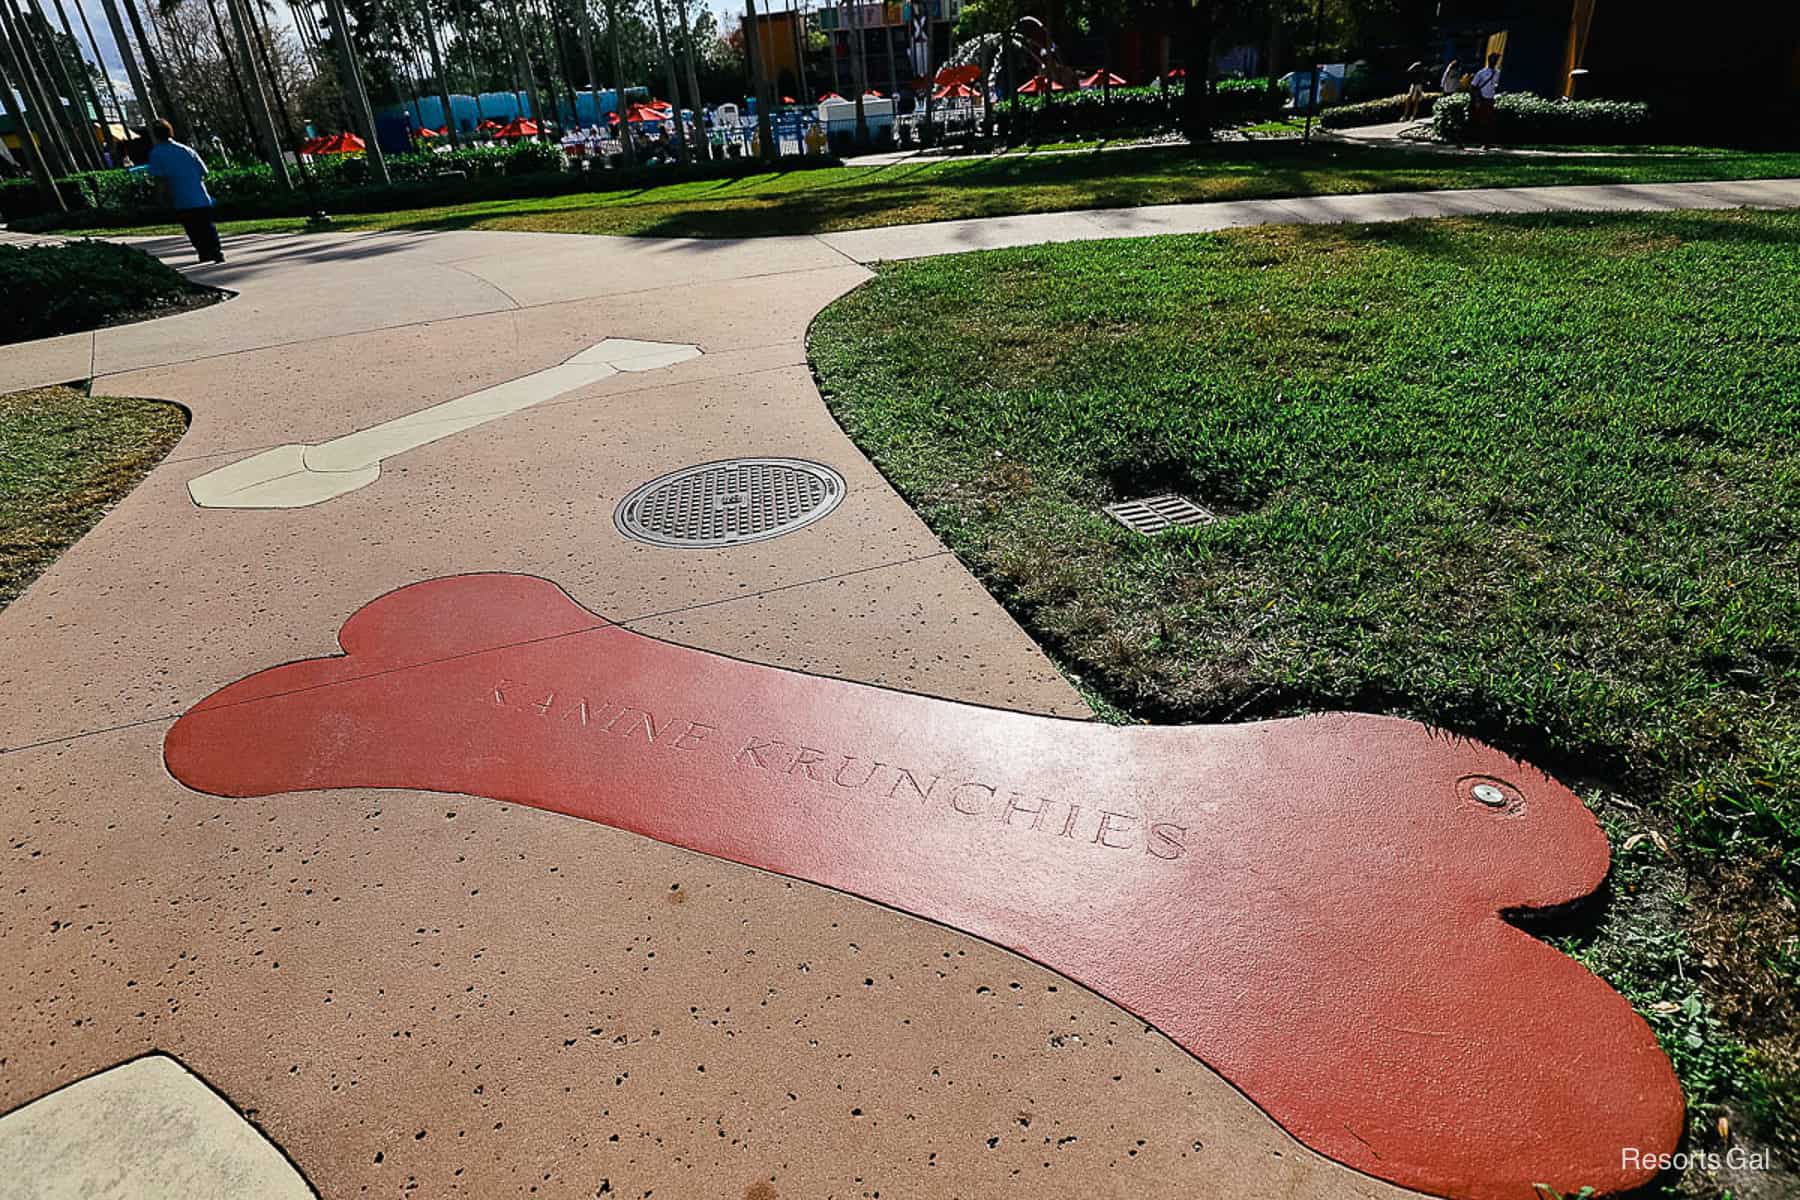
x,y
730,502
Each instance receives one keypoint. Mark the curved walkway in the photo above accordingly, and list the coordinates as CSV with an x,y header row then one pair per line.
x,y
473,999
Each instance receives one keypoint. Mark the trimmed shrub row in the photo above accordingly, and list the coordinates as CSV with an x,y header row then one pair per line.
x,y
82,285
1521,117
127,193
1373,112
1041,118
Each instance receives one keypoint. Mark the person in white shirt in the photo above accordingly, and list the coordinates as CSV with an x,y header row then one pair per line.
x,y
1486,87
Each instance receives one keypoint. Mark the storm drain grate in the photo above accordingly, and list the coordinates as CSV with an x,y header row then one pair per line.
x,y
1157,513
728,503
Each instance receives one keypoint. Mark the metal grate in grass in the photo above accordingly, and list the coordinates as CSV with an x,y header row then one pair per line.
x,y
1153,514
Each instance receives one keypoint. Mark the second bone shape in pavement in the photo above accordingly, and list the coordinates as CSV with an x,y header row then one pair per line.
x,y
295,475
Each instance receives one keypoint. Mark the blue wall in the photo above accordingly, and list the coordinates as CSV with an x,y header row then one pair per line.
x,y
503,107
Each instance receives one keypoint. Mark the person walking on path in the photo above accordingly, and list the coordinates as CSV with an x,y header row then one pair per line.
x,y
1486,87
183,177
1416,77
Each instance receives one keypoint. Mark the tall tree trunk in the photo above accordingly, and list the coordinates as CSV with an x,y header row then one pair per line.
x,y
702,144
141,93
158,81
264,39
1271,54
524,56
461,24
798,17
669,79
237,78
87,80
40,106
561,59
256,92
356,92
437,65
56,75
1196,96
618,57
862,71
40,169
887,42
759,81
587,60
105,75
265,46
930,84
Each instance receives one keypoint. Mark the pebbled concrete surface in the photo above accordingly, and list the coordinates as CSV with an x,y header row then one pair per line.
x,y
422,981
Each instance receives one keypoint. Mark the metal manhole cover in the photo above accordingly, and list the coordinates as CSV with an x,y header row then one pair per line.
x,y
730,502
1154,514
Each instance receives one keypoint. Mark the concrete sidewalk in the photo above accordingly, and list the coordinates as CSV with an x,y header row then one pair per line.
x,y
457,995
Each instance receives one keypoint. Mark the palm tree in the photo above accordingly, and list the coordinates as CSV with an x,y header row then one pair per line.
x,y
669,80
87,76
158,81
759,81
523,56
146,106
587,59
33,153
612,29
231,67
36,27
702,143
437,67
42,110
100,63
256,94
356,92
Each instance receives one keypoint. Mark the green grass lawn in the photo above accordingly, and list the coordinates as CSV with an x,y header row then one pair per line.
x,y
838,198
1536,479
65,459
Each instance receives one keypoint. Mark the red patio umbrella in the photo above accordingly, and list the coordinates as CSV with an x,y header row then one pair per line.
x,y
872,94
1038,84
829,96
342,143
1098,77
518,127
313,145
787,99
655,110
488,126
1178,73
958,91
425,133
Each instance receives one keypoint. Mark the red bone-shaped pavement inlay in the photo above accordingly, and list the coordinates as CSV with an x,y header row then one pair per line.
x,y
1312,907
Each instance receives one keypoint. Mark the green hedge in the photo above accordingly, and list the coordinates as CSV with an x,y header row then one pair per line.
x,y
1520,117
131,195
1043,118
1373,112
81,285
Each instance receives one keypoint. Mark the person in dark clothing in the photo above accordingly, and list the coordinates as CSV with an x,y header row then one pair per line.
x,y
1417,77
182,174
